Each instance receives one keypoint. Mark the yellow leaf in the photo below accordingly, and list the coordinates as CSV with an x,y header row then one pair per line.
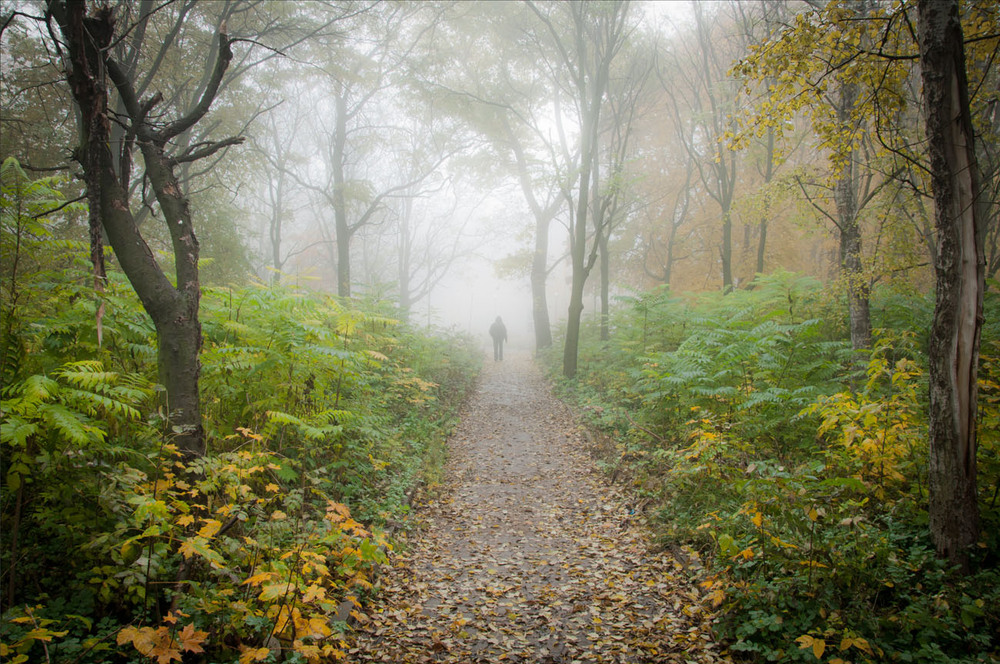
x,y
211,527
188,549
758,519
319,628
278,515
248,655
818,645
43,634
274,591
258,579
127,634
191,638
314,593
812,563
813,514
165,652
185,520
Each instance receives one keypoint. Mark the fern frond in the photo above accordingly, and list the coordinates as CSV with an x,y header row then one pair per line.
x,y
15,431
94,403
71,425
300,425
39,389
87,374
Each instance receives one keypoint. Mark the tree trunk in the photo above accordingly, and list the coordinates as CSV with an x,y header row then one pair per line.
x,y
578,249
540,258
726,251
405,249
572,348
768,176
343,230
845,196
605,264
958,311
539,275
173,309
578,243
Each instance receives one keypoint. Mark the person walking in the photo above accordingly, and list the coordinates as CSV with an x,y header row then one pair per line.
x,y
499,333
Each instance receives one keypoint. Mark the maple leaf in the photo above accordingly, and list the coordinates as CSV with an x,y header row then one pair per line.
x,y
165,650
337,511
191,638
274,591
211,527
258,579
126,634
199,546
143,639
313,593
249,655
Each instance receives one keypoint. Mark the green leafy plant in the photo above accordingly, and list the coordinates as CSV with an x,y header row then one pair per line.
x,y
745,428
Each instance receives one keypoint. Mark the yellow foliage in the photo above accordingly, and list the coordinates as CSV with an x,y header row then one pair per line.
x,y
162,643
249,655
818,645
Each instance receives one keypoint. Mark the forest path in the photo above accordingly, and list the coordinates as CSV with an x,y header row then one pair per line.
x,y
526,556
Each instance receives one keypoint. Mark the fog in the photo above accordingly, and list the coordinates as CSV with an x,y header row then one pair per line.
x,y
460,161
381,167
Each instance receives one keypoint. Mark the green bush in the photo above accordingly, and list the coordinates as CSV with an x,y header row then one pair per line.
x,y
745,425
321,418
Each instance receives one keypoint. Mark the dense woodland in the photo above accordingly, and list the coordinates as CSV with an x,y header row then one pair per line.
x,y
759,244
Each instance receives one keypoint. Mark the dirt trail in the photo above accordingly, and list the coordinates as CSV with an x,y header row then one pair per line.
x,y
527,556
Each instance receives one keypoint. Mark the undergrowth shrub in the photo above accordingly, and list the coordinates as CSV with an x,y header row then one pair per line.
x,y
744,425
321,417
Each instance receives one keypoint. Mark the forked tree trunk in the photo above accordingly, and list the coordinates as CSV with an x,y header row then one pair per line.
x,y
173,309
960,269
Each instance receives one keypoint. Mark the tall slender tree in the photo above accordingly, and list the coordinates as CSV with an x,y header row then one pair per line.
x,y
587,38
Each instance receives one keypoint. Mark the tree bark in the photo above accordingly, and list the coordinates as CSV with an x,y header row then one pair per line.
x,y
768,177
605,265
539,275
343,229
959,271
590,78
540,257
173,309
845,196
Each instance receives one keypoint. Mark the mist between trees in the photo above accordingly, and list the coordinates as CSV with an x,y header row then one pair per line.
x,y
236,231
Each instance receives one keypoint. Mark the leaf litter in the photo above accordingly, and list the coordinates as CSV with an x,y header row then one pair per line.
x,y
526,555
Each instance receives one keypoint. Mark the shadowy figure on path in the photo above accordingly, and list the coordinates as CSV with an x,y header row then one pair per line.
x,y
499,333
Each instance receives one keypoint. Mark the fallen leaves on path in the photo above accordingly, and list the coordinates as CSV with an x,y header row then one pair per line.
x,y
528,557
